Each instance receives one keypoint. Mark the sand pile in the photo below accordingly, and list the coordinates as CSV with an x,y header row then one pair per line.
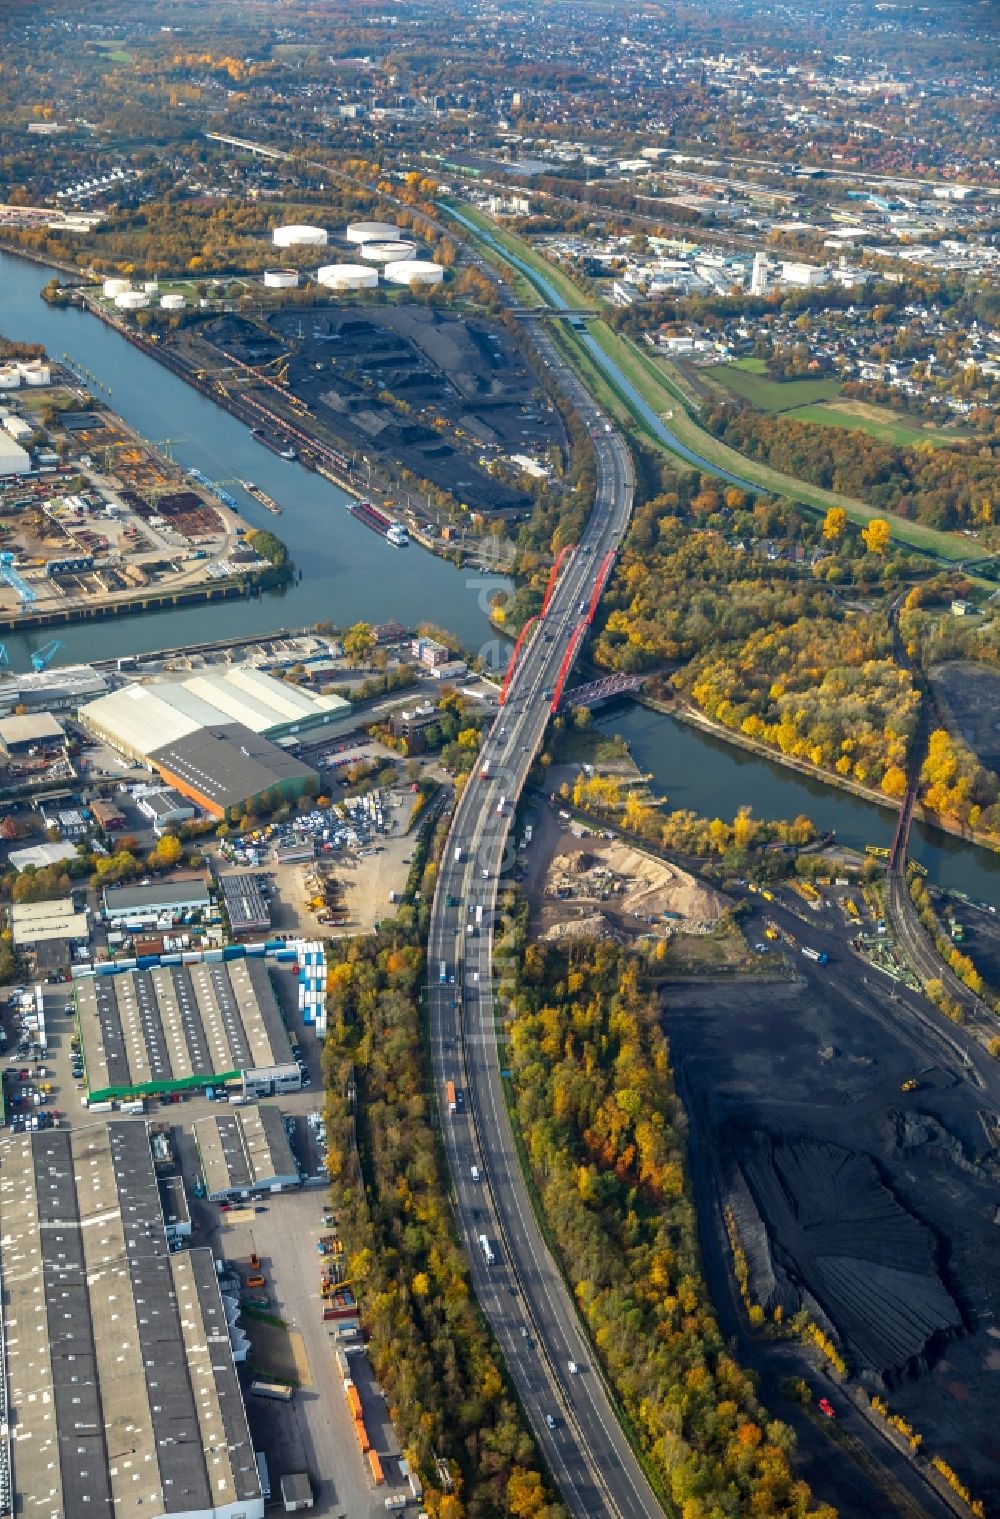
x,y
633,884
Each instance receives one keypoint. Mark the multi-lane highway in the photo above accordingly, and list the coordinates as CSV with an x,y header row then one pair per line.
x,y
515,1278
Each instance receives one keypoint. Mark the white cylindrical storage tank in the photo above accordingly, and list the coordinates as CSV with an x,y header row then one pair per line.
x,y
409,271
347,277
10,377
372,232
281,279
131,300
291,237
115,287
173,301
387,250
151,287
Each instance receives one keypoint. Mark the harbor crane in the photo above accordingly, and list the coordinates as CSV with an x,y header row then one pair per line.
x,y
43,657
9,576
166,443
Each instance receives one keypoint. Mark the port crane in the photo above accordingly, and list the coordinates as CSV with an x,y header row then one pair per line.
x,y
166,444
9,576
43,657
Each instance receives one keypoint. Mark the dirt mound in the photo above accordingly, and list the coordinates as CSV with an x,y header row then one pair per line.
x,y
592,926
837,1234
633,885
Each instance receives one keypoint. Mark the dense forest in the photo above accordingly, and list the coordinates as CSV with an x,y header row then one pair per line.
x,y
602,1126
944,488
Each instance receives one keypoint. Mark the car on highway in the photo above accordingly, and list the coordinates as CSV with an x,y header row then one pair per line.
x,y
475,1173
572,1367
550,1421
826,1407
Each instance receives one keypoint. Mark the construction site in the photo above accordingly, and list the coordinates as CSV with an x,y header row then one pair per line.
x,y
584,886
110,524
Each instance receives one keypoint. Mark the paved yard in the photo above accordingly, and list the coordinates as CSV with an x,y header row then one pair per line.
x,y
315,1430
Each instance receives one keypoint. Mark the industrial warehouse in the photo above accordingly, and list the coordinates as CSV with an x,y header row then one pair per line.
x,y
173,1028
139,719
120,1392
244,1151
217,738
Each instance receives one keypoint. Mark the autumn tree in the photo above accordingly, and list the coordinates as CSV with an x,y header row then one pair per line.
x,y
834,524
876,535
358,643
168,853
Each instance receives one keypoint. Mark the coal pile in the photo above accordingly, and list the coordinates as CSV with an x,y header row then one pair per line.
x,y
837,1235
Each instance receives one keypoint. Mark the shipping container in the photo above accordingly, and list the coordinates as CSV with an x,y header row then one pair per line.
x,y
276,1390
378,1476
362,1436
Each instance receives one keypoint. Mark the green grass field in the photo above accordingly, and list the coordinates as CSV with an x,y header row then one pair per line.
x,y
752,366
113,51
771,395
890,431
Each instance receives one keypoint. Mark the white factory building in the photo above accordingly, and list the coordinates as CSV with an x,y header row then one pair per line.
x,y
138,720
119,1390
14,460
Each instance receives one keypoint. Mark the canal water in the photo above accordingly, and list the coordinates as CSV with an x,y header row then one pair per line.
x,y
349,573
695,770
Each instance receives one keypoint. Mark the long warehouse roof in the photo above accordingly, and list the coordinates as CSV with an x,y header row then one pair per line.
x,y
173,1023
143,718
118,1361
223,766
243,1150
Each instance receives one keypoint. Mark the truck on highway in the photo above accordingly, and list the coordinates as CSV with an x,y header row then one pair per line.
x,y
819,955
485,771
487,1250
452,1097
458,854
479,915
443,973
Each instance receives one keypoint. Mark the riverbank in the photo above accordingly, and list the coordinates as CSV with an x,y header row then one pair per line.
x,y
59,266
148,601
687,714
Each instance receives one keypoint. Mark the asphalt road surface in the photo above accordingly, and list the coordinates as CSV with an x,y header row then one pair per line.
x,y
515,1278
